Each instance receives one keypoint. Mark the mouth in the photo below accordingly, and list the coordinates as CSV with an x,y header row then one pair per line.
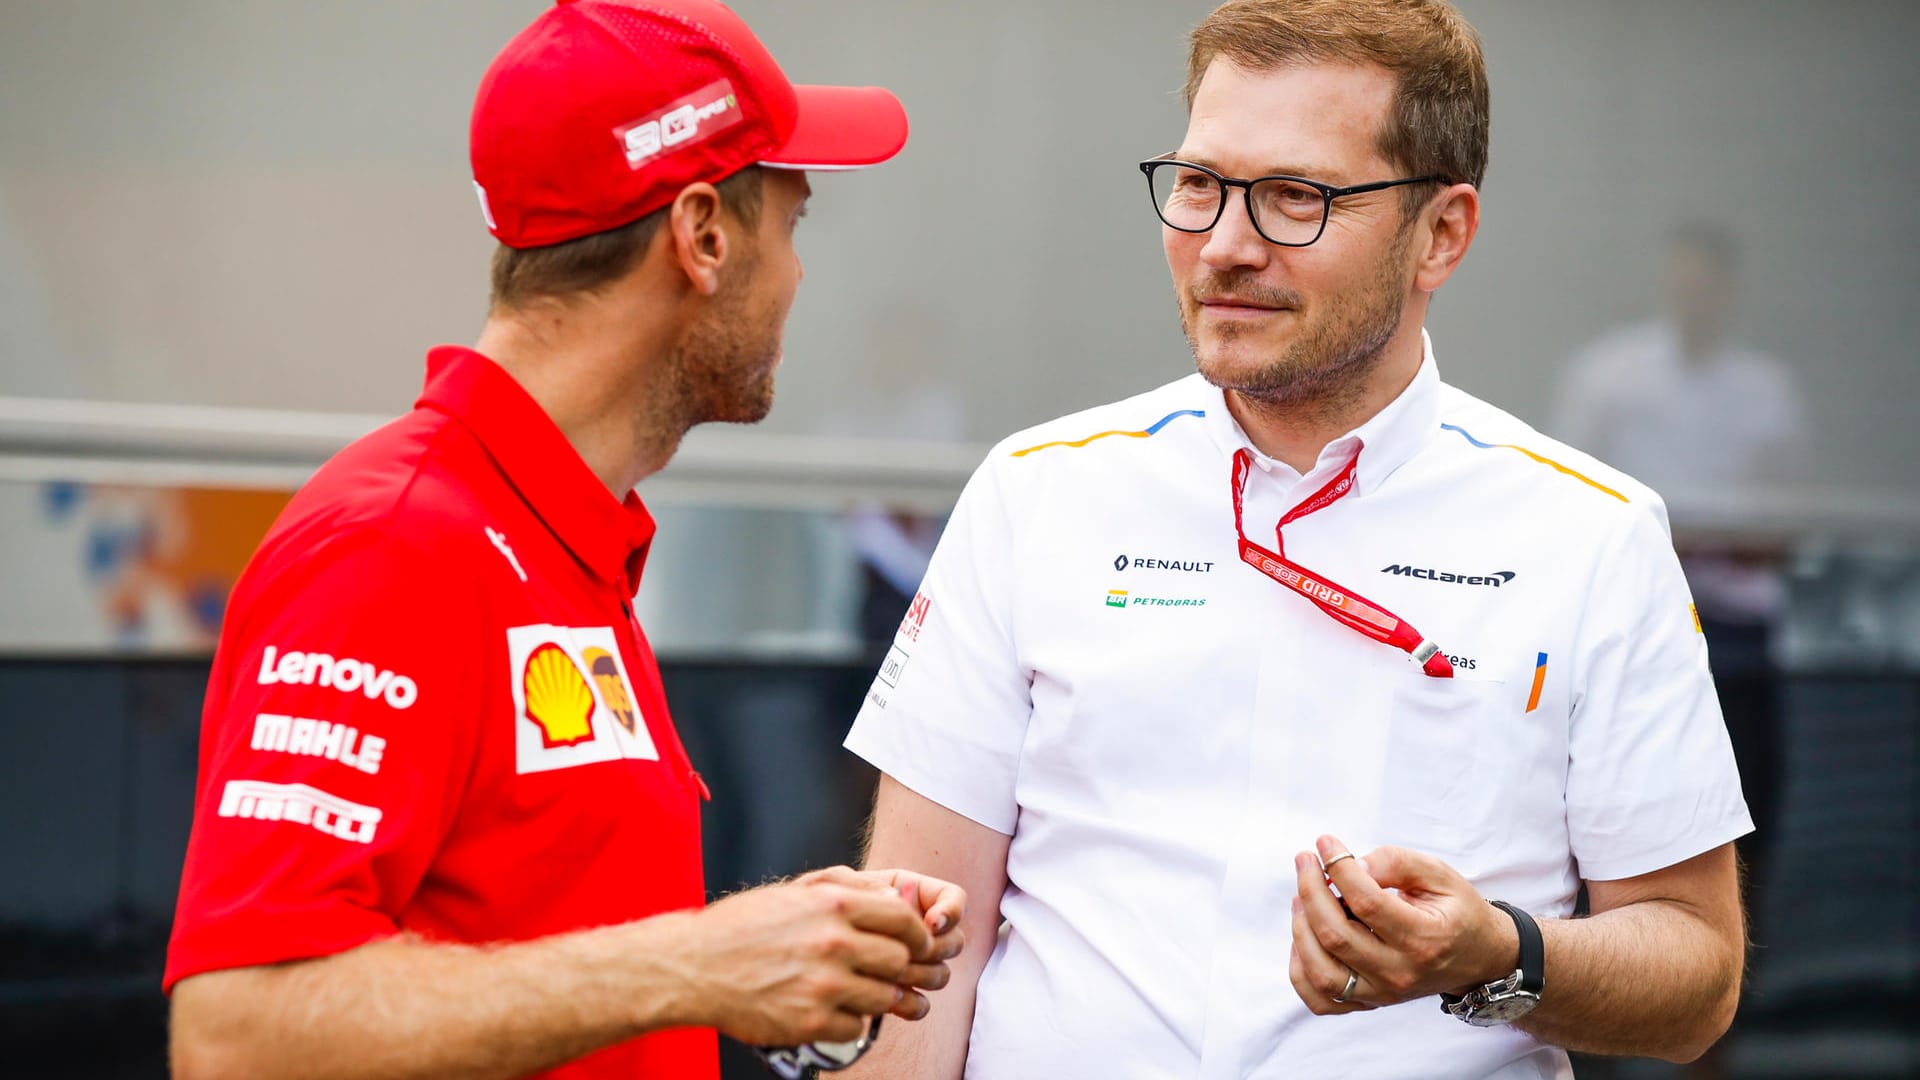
x,y
1228,307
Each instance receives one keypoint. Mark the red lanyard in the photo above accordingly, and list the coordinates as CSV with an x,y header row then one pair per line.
x,y
1356,611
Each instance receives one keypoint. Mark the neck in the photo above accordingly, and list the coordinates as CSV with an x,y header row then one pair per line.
x,y
577,362
1296,429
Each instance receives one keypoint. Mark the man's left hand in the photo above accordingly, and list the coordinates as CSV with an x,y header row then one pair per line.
x,y
1417,928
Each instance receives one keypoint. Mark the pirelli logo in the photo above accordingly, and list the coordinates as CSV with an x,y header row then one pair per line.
x,y
301,805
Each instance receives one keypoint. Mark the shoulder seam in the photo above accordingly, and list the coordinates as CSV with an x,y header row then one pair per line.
x,y
1143,433
1542,459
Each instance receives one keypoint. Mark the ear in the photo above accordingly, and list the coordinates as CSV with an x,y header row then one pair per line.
x,y
696,238
1452,220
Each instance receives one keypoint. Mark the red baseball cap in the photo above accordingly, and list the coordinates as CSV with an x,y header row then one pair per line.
x,y
603,110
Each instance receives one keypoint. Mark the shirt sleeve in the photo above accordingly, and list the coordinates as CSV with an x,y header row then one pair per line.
x,y
947,714
1651,776
337,736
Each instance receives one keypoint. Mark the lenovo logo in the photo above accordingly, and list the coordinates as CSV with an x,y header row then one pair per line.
x,y
340,673
1427,573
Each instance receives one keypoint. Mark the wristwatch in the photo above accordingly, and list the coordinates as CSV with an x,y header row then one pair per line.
x,y
1503,1001
808,1060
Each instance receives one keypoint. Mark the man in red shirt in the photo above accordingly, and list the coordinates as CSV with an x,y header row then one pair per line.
x,y
444,825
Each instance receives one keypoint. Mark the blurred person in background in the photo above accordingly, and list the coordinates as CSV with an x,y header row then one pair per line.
x,y
1161,689
445,825
1685,408
1678,402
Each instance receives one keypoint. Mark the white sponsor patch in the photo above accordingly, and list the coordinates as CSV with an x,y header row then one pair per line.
x,y
894,666
301,805
684,121
279,734
339,673
573,703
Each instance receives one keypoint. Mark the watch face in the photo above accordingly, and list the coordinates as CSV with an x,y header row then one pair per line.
x,y
841,1054
1503,1010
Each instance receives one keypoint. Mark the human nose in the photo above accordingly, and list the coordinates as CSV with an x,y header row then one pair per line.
x,y
1234,241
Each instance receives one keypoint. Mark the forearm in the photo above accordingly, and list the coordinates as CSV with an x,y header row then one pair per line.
x,y
935,1046
913,832
404,1008
1651,979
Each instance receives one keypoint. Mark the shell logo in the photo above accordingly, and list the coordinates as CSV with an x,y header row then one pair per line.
x,y
613,689
559,700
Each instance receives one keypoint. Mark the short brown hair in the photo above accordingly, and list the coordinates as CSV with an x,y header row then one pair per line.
x,y
1440,110
591,262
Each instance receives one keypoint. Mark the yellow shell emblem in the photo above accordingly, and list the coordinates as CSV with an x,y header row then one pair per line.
x,y
559,700
613,688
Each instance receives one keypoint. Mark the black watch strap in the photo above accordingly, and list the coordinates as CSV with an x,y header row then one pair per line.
x,y
1533,951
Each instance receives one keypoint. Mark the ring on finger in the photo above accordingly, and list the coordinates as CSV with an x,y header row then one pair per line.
x,y
1353,980
1327,867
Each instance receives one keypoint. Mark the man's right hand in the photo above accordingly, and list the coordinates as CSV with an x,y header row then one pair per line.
x,y
805,961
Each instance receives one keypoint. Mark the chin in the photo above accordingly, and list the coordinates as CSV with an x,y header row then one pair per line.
x,y
1233,363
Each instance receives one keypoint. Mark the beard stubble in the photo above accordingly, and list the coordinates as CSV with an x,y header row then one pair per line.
x,y
1324,371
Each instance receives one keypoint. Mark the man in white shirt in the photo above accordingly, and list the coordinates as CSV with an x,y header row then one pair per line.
x,y
1310,619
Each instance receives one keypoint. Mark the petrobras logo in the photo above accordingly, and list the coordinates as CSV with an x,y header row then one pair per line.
x,y
1123,599
338,673
301,805
705,112
278,734
1495,579
573,701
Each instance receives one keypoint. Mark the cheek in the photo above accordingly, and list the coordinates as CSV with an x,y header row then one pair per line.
x,y
1183,253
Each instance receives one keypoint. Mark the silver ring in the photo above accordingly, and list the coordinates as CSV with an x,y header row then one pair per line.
x,y
1353,980
1327,867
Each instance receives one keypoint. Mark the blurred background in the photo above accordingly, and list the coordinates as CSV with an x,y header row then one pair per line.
x,y
229,231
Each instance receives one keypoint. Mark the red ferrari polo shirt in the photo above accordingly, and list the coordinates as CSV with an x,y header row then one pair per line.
x,y
432,711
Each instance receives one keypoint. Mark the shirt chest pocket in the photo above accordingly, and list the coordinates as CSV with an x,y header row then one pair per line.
x,y
1443,749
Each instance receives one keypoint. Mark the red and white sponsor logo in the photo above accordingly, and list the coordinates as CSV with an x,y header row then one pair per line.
x,y
339,673
685,120
573,702
279,734
916,619
301,805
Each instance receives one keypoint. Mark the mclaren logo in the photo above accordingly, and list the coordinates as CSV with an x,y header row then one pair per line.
x,y
1427,573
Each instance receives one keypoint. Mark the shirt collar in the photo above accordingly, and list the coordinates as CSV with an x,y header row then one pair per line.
x,y
1387,440
607,535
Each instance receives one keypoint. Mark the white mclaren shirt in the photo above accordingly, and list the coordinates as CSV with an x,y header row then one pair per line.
x,y
1091,669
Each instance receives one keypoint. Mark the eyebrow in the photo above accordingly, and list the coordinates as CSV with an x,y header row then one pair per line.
x,y
1310,172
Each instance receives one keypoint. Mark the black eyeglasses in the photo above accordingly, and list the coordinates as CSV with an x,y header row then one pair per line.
x,y
1287,210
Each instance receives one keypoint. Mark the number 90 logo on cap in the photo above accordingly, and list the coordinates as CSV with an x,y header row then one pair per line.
x,y
685,120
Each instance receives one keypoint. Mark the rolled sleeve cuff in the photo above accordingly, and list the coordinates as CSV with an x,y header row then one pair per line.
x,y
1615,866
274,935
955,784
